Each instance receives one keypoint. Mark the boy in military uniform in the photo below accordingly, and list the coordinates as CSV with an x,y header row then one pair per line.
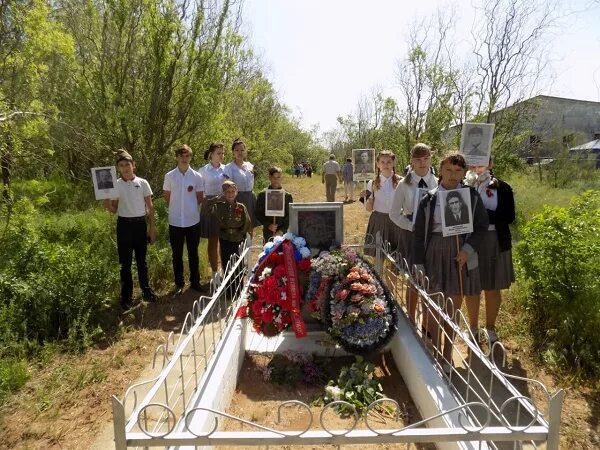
x,y
273,226
234,221
135,226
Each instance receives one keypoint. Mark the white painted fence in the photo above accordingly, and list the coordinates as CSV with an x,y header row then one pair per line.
x,y
475,406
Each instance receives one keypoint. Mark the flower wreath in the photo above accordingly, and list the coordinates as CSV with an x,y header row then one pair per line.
x,y
274,293
325,268
361,314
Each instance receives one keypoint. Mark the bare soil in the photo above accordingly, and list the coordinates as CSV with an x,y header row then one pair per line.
x,y
67,402
257,400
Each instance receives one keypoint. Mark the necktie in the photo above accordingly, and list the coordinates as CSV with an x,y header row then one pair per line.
x,y
422,183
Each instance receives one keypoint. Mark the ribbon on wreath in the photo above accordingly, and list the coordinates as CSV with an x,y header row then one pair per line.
x,y
293,290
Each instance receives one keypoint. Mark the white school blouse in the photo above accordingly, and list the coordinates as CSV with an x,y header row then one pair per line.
x,y
383,196
212,179
404,199
241,176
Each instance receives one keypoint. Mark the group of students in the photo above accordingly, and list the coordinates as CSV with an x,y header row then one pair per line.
x,y
456,266
216,203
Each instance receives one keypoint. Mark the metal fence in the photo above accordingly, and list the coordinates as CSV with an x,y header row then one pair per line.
x,y
495,409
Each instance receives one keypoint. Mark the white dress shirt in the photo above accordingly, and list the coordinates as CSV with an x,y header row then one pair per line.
x,y
183,203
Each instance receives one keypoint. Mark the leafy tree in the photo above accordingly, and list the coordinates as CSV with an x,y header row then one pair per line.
x,y
34,53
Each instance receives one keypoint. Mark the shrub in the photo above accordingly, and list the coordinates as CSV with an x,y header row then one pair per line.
x,y
559,257
59,278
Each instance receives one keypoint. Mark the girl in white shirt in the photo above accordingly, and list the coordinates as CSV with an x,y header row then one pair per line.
x,y
418,179
402,211
213,175
380,192
241,172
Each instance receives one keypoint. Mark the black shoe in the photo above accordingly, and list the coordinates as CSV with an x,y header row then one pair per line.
x,y
149,295
196,287
177,291
126,304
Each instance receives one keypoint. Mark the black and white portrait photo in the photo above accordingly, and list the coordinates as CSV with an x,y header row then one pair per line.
x,y
476,143
274,202
364,164
321,224
457,217
104,179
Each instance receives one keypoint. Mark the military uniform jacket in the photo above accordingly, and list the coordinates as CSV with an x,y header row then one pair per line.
x,y
234,221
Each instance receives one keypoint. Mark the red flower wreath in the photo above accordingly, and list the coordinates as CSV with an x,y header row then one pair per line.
x,y
274,294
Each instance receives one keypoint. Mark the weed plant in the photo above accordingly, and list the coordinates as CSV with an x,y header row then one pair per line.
x,y
59,275
559,273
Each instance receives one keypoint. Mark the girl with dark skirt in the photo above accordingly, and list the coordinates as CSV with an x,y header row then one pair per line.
x,y
419,176
452,269
495,255
379,195
213,175
241,172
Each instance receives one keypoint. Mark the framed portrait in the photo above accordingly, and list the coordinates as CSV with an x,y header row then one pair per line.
x,y
457,217
321,224
105,182
364,164
419,193
476,143
274,202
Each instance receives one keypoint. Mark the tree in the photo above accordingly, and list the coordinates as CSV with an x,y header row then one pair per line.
x,y
150,74
510,46
34,53
428,80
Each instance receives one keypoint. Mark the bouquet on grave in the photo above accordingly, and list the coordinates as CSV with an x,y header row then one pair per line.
x,y
325,269
275,291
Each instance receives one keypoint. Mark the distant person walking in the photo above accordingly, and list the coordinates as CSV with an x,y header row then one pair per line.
x,y
330,176
182,189
347,176
135,227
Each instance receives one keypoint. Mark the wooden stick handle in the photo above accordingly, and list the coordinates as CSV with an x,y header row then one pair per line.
x,y
460,280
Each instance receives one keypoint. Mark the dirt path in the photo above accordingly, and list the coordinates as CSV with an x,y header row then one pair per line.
x,y
66,403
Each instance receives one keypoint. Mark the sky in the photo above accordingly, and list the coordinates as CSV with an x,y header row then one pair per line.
x,y
323,55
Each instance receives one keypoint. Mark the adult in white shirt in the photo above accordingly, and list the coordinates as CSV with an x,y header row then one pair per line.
x,y
330,176
379,200
183,192
213,175
241,172
402,211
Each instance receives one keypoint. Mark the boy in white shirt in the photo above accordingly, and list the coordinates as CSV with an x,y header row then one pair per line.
x,y
183,192
135,226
